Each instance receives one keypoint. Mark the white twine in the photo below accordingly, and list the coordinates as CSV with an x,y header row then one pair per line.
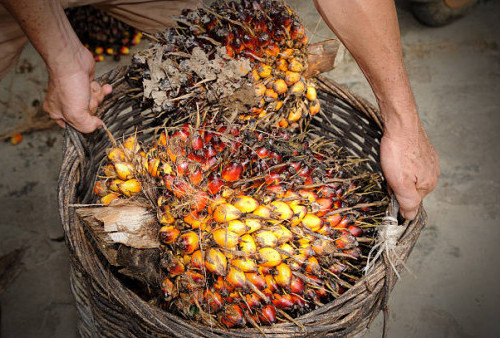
x,y
389,234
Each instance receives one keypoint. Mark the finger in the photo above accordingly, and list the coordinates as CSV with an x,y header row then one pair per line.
x,y
409,200
61,123
93,104
85,122
107,88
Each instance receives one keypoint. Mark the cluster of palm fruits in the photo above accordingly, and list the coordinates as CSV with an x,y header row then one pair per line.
x,y
101,33
265,33
255,227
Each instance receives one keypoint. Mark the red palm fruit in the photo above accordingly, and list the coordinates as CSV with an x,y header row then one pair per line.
x,y
181,166
232,172
214,183
236,278
188,242
169,234
263,152
337,268
354,252
355,230
322,292
193,156
197,142
344,223
200,201
256,279
334,220
312,266
298,301
323,247
264,39
229,51
309,195
346,241
296,285
252,300
273,178
196,177
197,260
325,204
216,262
268,314
207,137
326,230
283,302
297,31
210,151
232,316
271,283
213,299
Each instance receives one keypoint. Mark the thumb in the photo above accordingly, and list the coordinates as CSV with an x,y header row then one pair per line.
x,y
409,200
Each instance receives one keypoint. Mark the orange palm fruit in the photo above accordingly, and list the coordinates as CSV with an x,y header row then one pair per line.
x,y
226,239
333,220
323,247
297,88
114,185
131,144
245,204
247,245
245,264
266,238
125,171
312,266
254,75
287,53
283,276
268,257
262,211
295,65
168,288
175,267
252,300
232,172
222,287
299,212
197,260
264,70
288,249
116,155
109,170
272,50
194,280
130,187
270,94
238,227
314,108
236,278
271,283
188,242
291,77
309,195
283,123
100,188
256,279
283,302
106,200
280,86
260,89
282,209
195,220
226,212
169,234
311,94
214,203
295,114
215,262
16,139
282,234
281,64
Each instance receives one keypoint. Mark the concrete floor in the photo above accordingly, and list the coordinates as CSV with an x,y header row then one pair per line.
x,y
455,73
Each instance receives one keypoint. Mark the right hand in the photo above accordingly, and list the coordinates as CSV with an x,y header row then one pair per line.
x,y
73,96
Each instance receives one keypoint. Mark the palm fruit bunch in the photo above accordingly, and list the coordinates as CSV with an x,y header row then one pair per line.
x,y
101,33
250,52
256,228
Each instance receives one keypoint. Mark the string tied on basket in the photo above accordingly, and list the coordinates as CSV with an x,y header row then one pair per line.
x,y
389,233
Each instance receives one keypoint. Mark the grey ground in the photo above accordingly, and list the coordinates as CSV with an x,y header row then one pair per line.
x,y
453,289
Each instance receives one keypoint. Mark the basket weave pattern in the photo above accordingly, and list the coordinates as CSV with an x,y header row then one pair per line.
x,y
108,308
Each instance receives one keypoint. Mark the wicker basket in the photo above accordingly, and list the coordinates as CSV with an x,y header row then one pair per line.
x,y
108,308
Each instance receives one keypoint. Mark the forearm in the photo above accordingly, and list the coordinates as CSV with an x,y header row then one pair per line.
x,y
369,30
48,29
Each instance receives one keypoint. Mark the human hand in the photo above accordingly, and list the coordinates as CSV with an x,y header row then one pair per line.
x,y
73,96
410,164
